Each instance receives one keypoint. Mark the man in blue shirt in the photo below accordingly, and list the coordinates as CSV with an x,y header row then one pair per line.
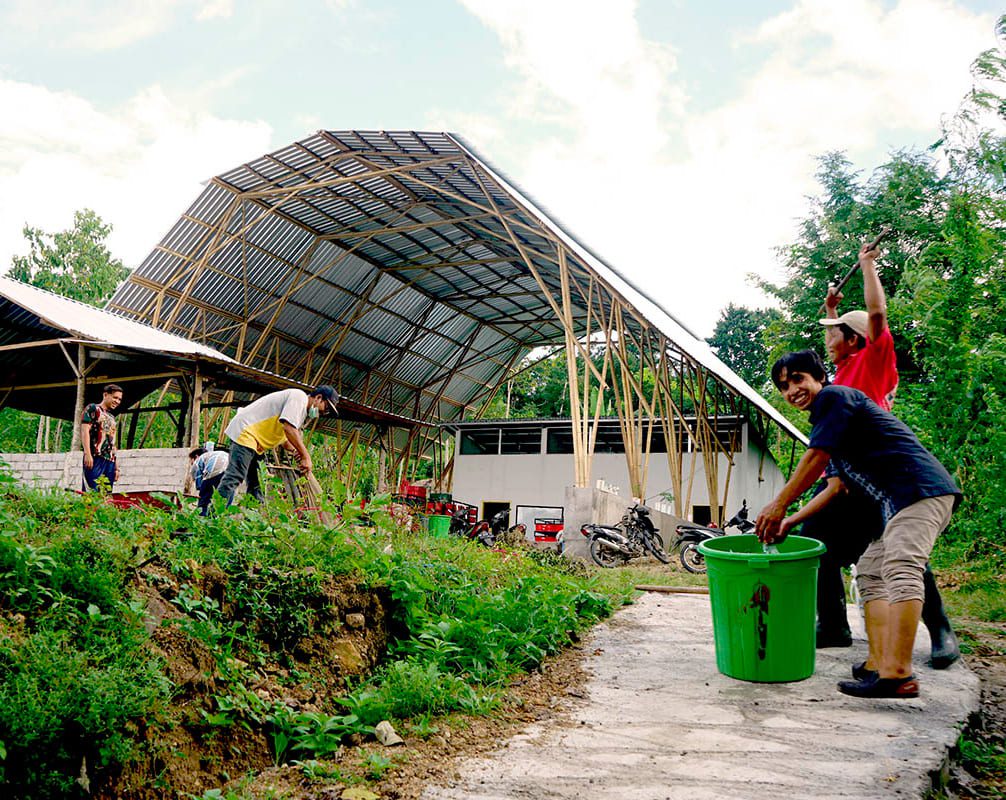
x,y
208,467
875,452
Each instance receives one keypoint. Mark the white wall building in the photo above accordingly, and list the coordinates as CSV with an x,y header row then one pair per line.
x,y
526,465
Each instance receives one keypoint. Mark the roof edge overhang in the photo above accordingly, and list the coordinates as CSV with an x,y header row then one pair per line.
x,y
655,313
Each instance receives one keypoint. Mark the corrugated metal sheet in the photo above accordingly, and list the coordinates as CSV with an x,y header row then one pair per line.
x,y
52,316
410,228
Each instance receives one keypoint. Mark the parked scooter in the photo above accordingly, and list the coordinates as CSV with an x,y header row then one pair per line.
x,y
460,526
690,536
488,533
633,537
504,533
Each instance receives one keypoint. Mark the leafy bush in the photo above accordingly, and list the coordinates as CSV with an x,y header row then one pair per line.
x,y
80,686
73,701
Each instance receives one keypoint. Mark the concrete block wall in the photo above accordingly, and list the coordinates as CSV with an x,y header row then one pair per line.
x,y
38,469
162,469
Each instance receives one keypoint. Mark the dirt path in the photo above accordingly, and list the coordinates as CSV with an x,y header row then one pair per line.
x,y
545,712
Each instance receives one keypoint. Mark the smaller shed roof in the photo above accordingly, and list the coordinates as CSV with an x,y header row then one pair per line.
x,y
30,313
36,373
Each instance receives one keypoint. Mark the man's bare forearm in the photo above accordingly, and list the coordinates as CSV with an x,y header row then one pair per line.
x,y
293,436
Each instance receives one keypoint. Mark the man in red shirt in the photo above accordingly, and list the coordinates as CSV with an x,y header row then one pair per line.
x,y
860,345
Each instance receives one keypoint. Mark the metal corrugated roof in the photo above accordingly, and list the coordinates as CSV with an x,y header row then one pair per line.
x,y
52,315
389,259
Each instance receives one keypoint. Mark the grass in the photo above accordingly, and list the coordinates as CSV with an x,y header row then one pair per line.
x,y
972,580
80,683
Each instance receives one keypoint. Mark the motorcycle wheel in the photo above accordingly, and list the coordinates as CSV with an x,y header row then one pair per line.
x,y
653,543
691,559
604,556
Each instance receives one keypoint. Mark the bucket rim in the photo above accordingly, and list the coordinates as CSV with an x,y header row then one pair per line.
x,y
812,549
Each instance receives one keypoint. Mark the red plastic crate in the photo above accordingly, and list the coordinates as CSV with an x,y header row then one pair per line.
x,y
546,531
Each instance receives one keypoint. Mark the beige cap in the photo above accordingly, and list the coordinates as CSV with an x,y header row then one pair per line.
x,y
859,321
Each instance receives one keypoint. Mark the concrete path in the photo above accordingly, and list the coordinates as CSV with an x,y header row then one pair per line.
x,y
660,722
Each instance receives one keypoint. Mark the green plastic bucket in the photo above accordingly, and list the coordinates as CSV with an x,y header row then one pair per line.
x,y
440,525
763,606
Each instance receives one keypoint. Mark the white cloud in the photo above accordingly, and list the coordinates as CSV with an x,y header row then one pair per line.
x,y
99,25
215,9
138,166
686,203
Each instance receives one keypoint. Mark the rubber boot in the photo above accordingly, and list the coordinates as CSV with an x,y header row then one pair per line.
x,y
945,648
832,622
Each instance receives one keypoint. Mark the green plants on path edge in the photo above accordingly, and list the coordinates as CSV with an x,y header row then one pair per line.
x,y
146,652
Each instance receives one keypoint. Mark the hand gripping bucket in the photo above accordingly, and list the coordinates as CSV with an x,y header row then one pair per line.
x,y
763,606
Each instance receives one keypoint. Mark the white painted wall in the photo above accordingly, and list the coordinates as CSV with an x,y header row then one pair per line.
x,y
542,479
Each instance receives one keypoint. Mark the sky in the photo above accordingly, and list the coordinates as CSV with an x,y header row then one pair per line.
x,y
676,138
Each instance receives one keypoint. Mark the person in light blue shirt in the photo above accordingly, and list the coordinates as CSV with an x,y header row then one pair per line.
x,y
208,467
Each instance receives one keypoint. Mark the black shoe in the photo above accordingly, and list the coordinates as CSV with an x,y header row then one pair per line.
x,y
861,673
946,649
834,638
895,688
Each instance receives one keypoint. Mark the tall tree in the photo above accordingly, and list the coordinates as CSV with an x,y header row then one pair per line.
x,y
75,263
740,343
944,274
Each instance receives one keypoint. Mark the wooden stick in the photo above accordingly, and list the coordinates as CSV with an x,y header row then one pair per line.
x,y
852,270
644,587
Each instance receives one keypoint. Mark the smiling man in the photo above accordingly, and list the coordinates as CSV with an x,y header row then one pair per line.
x,y
877,454
860,345
97,436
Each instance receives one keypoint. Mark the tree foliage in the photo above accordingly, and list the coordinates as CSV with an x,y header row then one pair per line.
x,y
944,274
739,340
75,263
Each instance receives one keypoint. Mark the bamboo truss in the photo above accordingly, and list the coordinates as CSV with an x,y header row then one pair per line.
x,y
402,269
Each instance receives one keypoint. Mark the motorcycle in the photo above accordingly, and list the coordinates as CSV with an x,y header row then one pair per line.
x,y
504,533
633,537
690,536
462,528
487,532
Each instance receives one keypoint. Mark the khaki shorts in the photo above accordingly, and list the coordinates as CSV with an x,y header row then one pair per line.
x,y
892,566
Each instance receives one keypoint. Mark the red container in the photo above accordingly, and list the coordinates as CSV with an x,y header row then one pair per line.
x,y
546,530
412,490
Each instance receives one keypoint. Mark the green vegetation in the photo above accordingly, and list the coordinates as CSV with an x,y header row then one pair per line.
x,y
103,614
944,272
75,263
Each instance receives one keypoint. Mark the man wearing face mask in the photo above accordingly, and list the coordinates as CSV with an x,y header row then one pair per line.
x,y
274,420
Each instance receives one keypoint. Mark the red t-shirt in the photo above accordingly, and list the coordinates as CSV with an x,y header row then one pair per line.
x,y
873,370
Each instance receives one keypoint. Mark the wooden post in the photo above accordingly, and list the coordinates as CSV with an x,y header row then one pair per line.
x,y
195,407
134,418
78,406
382,463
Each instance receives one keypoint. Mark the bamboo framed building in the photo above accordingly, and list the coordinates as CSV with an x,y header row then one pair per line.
x,y
407,271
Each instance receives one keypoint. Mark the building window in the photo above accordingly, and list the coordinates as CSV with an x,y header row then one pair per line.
x,y
480,441
520,440
723,433
559,441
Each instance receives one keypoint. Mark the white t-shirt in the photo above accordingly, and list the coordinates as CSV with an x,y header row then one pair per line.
x,y
260,424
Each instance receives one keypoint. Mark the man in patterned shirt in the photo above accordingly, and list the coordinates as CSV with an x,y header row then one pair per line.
x,y
97,435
